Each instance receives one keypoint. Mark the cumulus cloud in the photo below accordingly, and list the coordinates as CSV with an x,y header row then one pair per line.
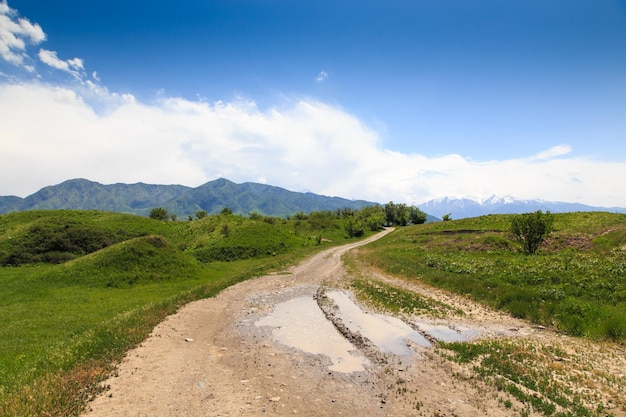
x,y
15,34
49,134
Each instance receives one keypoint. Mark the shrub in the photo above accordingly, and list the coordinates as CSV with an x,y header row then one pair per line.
x,y
158,213
531,229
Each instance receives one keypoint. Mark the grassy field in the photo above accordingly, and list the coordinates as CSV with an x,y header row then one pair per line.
x,y
576,283
79,288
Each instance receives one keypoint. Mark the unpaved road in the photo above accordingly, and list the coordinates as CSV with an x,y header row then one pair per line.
x,y
209,359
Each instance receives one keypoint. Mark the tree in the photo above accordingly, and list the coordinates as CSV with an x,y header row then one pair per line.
x,y
396,214
158,213
416,216
372,216
200,214
227,211
354,227
447,217
531,229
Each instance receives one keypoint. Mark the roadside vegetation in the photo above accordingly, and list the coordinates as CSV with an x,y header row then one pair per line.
x,y
575,282
79,288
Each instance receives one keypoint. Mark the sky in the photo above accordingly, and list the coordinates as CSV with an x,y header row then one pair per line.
x,y
402,101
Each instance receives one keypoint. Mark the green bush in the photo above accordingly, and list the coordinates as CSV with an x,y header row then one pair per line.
x,y
158,213
531,229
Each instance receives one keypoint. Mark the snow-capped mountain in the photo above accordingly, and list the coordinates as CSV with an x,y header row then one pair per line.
x,y
460,208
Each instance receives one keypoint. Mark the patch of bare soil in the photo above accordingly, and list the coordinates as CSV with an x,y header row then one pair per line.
x,y
210,359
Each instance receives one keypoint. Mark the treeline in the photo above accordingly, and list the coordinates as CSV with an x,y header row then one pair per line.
x,y
357,221
370,218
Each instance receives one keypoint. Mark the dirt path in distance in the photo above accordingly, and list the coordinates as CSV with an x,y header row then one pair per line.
x,y
209,359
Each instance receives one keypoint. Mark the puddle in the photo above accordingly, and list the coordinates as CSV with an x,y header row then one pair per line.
x,y
446,334
301,324
388,333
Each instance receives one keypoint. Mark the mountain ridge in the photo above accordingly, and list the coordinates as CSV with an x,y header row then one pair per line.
x,y
140,198
460,208
248,197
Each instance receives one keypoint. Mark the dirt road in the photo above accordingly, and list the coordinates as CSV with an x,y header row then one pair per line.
x,y
212,359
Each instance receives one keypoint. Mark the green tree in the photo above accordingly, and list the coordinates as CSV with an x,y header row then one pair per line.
x,y
447,217
227,211
531,229
396,214
354,227
372,216
416,216
200,214
159,213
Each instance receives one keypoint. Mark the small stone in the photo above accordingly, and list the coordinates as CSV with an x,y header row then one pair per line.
x,y
201,384
188,339
275,399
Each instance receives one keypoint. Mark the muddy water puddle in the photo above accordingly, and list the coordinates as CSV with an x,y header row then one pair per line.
x,y
301,324
389,334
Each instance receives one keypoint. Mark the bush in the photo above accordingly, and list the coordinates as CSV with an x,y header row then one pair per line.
x,y
531,229
354,227
158,213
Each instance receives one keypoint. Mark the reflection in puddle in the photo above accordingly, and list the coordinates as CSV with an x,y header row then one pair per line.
x,y
387,333
443,333
301,324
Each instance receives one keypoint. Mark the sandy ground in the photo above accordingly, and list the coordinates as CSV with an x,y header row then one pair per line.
x,y
209,359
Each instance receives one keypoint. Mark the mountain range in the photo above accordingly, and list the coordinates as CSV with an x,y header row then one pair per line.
x,y
212,197
248,197
459,208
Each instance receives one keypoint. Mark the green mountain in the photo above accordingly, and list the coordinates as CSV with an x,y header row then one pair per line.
x,y
212,197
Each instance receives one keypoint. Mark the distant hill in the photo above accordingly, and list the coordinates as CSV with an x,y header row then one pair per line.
x,y
212,197
460,208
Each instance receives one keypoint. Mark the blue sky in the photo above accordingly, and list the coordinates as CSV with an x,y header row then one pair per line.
x,y
381,100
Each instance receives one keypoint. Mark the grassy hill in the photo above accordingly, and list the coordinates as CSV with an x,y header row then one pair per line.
x,y
576,283
78,288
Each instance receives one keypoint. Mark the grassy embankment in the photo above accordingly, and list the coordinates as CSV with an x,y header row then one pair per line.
x,y
79,288
575,284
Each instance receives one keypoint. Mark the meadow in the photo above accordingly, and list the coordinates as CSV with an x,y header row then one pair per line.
x,y
79,288
576,283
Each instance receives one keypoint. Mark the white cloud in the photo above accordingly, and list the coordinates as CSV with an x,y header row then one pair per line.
x,y
72,66
321,76
553,152
49,134
15,34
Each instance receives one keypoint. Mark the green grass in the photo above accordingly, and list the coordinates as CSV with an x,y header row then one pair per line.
x,y
108,280
576,283
399,301
529,373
